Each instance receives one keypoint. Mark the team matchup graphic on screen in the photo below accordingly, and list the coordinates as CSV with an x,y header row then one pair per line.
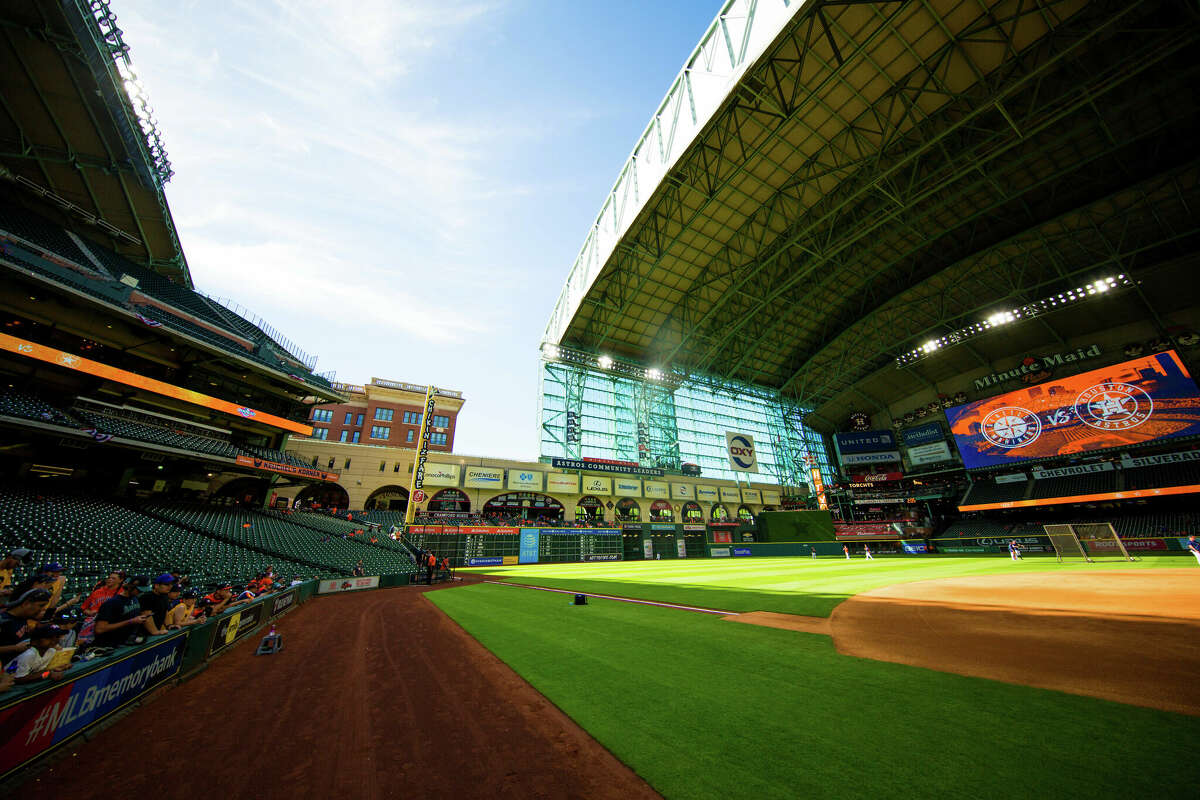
x,y
1125,404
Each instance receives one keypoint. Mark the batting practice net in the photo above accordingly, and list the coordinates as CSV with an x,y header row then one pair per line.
x,y
1088,541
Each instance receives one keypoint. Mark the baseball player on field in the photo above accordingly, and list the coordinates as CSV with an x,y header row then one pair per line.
x,y
1194,547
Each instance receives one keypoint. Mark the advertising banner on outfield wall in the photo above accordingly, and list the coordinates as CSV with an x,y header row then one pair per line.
x,y
595,485
347,585
483,477
525,479
753,496
681,491
730,494
232,627
770,497
562,483
34,725
282,602
707,494
530,540
627,487
441,474
654,489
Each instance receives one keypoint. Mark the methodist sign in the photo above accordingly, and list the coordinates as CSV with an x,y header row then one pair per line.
x,y
743,457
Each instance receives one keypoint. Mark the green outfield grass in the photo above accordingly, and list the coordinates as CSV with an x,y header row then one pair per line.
x,y
787,585
704,708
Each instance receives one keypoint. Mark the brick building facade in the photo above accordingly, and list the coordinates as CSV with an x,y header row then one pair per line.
x,y
387,413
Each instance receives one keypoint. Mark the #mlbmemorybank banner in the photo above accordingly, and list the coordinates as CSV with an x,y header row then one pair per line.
x,y
37,724
1126,404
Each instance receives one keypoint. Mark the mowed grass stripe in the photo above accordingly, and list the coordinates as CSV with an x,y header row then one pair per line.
x,y
786,585
704,708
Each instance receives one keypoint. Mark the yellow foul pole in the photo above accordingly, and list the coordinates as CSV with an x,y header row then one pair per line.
x,y
417,481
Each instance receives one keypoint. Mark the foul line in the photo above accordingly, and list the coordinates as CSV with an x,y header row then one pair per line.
x,y
620,599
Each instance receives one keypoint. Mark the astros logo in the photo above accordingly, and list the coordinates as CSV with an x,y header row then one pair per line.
x,y
1113,406
1010,427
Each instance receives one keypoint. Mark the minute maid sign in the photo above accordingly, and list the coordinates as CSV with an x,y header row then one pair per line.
x,y
1034,369
743,456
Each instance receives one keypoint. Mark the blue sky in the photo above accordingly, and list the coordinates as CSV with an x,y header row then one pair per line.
x,y
400,186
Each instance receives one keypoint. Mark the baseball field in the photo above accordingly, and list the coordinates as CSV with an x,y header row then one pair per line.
x,y
755,678
879,695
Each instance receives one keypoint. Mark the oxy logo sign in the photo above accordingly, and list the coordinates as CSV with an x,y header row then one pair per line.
x,y
743,456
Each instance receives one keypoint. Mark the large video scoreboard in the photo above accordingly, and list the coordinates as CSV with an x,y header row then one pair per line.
x,y
1126,404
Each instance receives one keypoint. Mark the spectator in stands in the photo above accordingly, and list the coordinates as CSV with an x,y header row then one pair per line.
x,y
14,559
32,665
184,614
69,620
122,616
219,599
242,594
359,570
157,601
18,619
431,565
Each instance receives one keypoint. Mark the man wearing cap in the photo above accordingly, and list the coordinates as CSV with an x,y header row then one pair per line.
x,y
121,616
158,603
14,559
19,617
32,664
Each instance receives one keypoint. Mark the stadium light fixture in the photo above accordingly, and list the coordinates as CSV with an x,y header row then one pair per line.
x,y
550,352
654,374
605,362
1049,303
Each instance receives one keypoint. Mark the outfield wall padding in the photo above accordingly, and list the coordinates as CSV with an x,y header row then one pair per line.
x,y
795,526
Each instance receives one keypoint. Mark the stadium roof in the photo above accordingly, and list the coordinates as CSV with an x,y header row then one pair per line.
x,y
831,184
77,137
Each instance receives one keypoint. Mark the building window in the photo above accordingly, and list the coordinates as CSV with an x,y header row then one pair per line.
x,y
359,422
409,437
314,463
349,418
347,464
320,433
440,421
354,438
383,414
380,431
382,465
437,438
330,465
397,467
322,415
344,436
412,417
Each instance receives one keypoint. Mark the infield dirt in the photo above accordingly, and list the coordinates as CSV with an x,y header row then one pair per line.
x,y
1131,636
375,695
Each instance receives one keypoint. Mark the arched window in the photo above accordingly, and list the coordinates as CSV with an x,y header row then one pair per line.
x,y
661,511
388,498
719,513
450,500
589,509
628,510
517,506
692,512
745,514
